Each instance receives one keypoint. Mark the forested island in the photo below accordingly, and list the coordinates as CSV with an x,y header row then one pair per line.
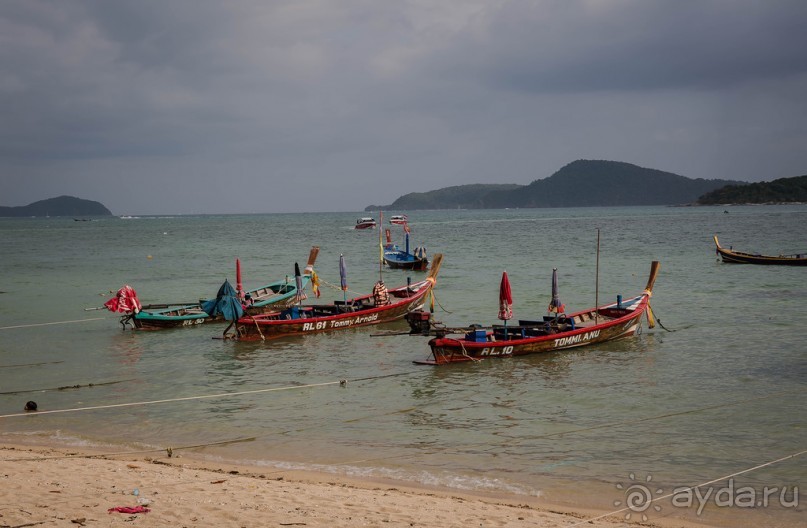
x,y
782,190
59,206
582,183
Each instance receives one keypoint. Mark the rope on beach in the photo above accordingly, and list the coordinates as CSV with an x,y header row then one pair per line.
x,y
341,382
677,491
53,323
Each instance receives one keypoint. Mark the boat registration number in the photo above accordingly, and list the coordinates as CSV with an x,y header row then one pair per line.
x,y
497,351
326,325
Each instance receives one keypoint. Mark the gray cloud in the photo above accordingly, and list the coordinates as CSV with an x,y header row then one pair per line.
x,y
305,105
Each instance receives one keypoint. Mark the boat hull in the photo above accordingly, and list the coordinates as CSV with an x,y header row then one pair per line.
x,y
311,319
449,350
406,261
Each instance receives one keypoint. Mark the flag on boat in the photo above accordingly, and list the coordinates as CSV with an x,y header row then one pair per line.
x,y
227,304
505,299
124,301
555,305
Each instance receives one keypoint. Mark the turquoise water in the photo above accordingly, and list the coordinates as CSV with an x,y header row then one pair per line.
x,y
719,391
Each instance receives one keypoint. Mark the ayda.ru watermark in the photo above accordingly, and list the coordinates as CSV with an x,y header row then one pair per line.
x,y
643,498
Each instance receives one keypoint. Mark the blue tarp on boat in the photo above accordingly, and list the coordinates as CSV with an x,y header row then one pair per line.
x,y
227,304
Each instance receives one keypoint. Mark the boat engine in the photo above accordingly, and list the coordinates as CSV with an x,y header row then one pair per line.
x,y
419,322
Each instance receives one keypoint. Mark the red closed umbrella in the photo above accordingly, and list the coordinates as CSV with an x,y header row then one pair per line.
x,y
505,299
239,289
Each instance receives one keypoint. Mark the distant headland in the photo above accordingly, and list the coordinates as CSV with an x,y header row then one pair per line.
x,y
59,206
593,183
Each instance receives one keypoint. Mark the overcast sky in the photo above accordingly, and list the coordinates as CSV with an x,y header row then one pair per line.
x,y
251,106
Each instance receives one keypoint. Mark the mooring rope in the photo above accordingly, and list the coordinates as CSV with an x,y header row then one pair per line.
x,y
53,323
690,488
339,288
440,305
65,387
32,364
342,382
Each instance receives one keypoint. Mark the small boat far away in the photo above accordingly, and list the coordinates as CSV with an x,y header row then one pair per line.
x,y
365,223
398,219
379,307
553,332
730,256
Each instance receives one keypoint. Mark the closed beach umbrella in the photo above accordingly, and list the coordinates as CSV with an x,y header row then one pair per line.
x,y
342,273
343,276
555,305
239,290
505,299
227,304
298,280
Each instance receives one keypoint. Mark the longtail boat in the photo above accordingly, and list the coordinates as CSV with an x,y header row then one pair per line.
x,y
553,332
267,298
730,256
381,306
397,258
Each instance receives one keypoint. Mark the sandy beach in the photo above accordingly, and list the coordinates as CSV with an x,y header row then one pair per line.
x,y
43,486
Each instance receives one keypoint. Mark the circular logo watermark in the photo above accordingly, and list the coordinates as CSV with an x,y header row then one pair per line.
x,y
638,497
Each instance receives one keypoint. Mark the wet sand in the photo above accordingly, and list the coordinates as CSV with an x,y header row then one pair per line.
x,y
52,486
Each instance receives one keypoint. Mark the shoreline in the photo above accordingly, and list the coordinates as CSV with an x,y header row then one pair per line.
x,y
64,486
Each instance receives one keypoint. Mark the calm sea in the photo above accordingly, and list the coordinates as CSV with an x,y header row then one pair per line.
x,y
718,390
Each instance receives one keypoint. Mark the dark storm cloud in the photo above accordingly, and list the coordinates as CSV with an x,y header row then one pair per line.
x,y
360,101
636,46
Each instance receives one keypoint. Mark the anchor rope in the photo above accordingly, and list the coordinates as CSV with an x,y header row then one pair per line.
x,y
664,327
65,387
439,304
32,364
53,323
690,488
206,396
